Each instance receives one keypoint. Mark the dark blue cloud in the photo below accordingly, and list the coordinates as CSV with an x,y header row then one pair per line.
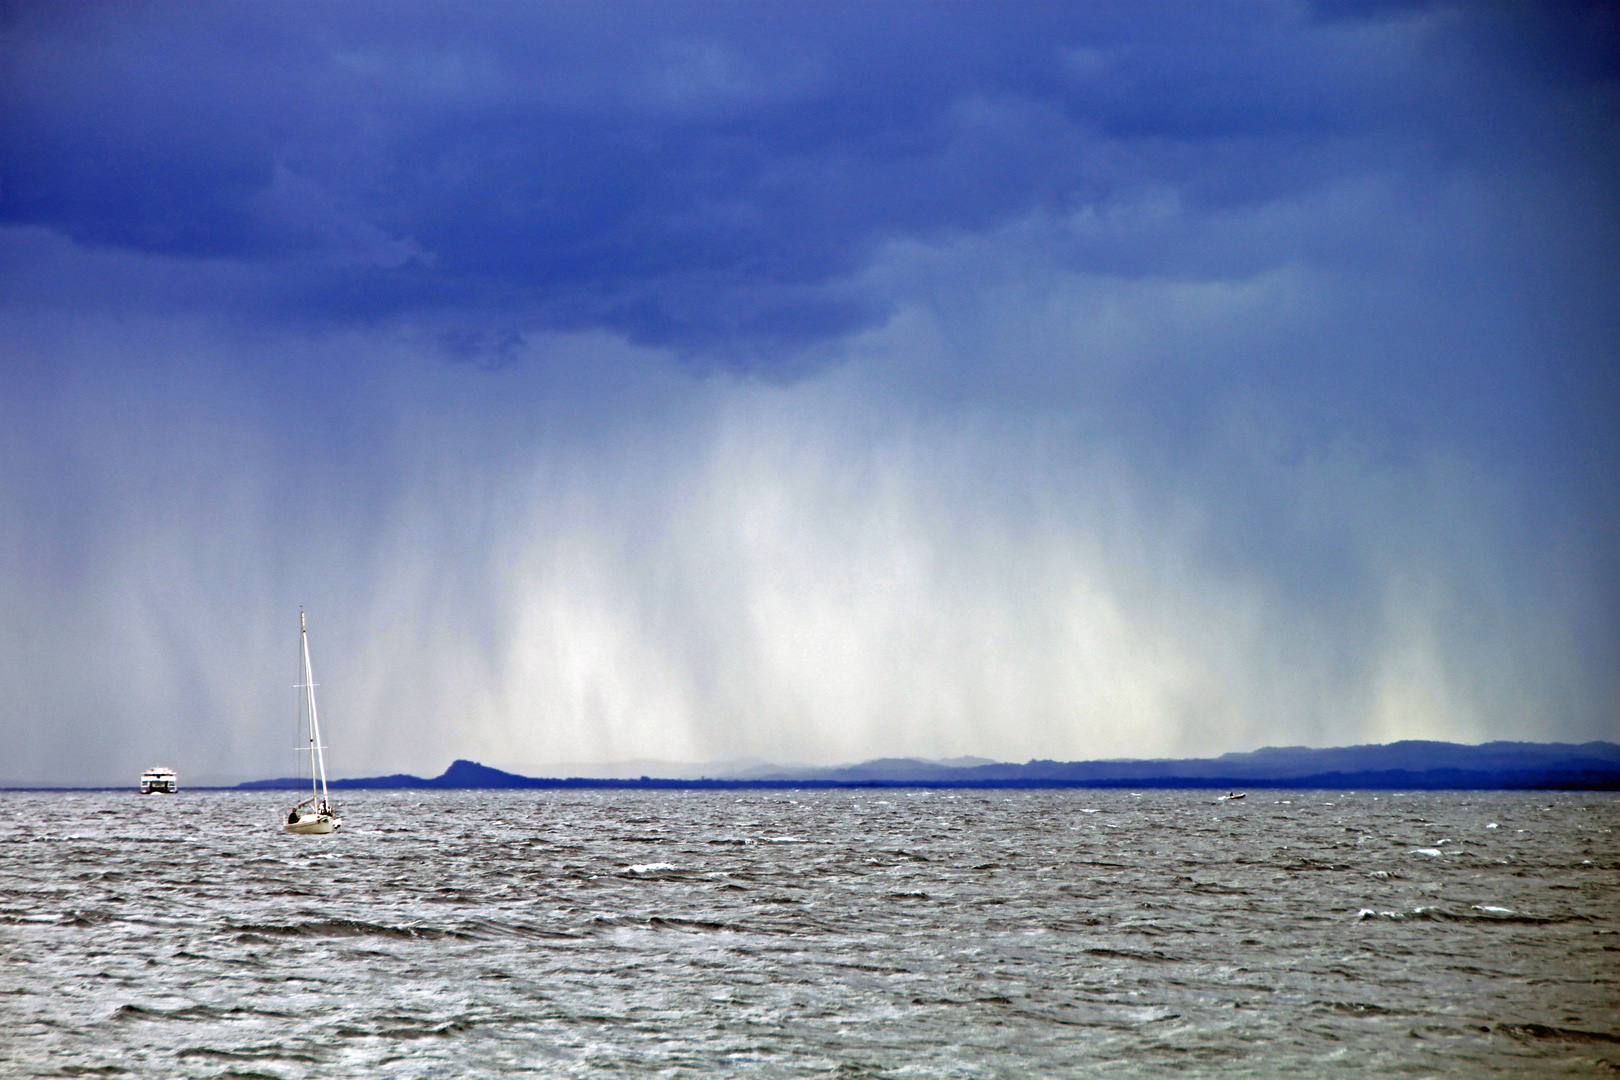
x,y
1265,346
710,177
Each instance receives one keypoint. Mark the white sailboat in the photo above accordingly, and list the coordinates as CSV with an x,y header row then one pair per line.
x,y
315,815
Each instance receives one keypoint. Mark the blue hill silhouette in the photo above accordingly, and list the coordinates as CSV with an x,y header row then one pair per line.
x,y
1410,765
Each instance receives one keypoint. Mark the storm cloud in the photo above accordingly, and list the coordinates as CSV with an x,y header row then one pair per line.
x,y
806,381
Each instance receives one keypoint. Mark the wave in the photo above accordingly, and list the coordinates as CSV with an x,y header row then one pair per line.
x,y
666,923
1131,954
1546,1031
192,1012
345,928
255,1053
1479,913
1357,1008
405,1027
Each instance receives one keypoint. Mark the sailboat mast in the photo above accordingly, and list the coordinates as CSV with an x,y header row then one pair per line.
x,y
309,697
317,759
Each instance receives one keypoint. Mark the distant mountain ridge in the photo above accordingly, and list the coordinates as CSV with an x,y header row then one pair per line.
x,y
1414,765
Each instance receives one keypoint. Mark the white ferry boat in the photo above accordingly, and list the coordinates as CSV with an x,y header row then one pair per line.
x,y
158,778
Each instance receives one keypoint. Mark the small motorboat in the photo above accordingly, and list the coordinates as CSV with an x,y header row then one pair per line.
x,y
1232,796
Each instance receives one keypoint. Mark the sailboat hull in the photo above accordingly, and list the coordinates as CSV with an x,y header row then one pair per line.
x,y
312,824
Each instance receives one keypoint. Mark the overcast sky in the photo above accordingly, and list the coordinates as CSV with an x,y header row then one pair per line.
x,y
810,382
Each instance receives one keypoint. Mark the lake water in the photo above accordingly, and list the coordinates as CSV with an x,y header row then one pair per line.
x,y
784,934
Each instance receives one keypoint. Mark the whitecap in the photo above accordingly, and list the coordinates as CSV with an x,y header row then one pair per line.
x,y
650,868
1493,909
785,840
1427,851
1490,825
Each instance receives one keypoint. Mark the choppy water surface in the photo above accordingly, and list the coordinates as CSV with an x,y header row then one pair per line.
x,y
852,933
